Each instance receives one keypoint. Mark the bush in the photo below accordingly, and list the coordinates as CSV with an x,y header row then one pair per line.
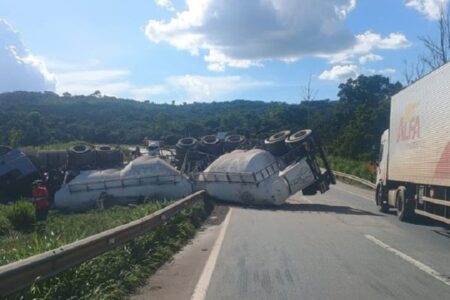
x,y
21,216
353,167
5,225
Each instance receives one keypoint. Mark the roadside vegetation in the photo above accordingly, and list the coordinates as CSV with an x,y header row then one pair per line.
x,y
362,169
21,237
349,127
112,275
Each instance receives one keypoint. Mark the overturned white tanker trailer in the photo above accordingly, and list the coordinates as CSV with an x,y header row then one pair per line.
x,y
144,177
286,165
268,177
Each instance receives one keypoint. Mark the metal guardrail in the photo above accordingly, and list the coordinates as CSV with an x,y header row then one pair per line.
x,y
355,179
25,272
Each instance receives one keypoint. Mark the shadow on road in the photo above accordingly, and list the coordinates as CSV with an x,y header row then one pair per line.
x,y
217,215
443,233
305,207
424,221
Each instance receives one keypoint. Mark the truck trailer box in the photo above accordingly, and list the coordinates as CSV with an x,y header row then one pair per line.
x,y
419,137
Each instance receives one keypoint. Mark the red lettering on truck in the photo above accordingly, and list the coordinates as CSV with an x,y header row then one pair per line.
x,y
409,130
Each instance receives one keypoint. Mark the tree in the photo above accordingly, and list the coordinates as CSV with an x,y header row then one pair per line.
x,y
97,94
413,71
15,137
348,127
438,51
309,94
35,118
367,90
362,114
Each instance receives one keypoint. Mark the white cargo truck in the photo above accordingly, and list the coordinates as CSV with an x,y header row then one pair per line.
x,y
413,173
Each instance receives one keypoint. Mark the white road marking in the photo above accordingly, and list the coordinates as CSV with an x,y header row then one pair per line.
x,y
202,285
411,260
355,194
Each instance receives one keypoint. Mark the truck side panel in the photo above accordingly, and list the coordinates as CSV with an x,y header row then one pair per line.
x,y
419,139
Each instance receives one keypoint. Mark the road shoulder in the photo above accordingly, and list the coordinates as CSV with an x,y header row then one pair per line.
x,y
177,279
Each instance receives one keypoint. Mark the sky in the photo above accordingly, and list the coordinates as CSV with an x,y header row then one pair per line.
x,y
208,50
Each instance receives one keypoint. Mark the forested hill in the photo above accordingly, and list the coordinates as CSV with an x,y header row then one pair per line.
x,y
348,126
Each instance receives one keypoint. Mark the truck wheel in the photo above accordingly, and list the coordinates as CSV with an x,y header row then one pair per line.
x,y
298,138
383,206
405,208
275,144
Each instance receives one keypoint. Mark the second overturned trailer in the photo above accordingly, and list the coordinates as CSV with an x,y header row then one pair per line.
x,y
258,177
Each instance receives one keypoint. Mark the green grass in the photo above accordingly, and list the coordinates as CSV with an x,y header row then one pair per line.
x,y
20,216
58,146
115,274
61,229
352,167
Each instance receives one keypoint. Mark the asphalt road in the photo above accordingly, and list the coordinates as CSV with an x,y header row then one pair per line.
x,y
331,246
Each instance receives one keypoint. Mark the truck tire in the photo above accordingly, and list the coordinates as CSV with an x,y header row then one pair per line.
x,y
107,157
297,138
184,145
234,141
81,157
405,209
380,196
211,144
276,144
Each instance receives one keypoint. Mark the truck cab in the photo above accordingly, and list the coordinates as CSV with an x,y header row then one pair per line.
x,y
391,193
382,160
381,190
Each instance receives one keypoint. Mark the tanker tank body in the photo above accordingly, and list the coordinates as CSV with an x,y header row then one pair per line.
x,y
258,177
145,177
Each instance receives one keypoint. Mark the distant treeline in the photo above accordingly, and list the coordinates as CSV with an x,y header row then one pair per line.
x,y
348,127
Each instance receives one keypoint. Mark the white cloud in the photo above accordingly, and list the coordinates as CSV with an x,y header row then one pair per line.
x,y
370,40
63,66
340,72
206,88
87,78
366,43
218,61
92,76
108,81
247,33
385,72
370,58
344,9
429,8
115,82
344,72
167,4
20,70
